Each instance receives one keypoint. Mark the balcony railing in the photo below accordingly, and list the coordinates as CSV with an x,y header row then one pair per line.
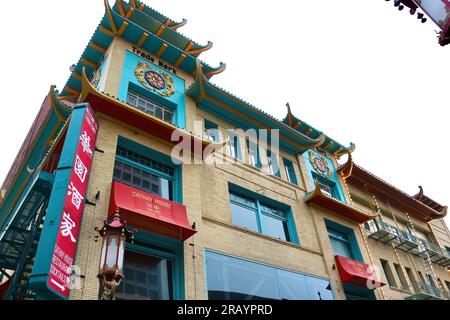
x,y
425,291
388,234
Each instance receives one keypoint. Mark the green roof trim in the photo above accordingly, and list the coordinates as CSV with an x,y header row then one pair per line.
x,y
112,20
215,99
147,20
329,145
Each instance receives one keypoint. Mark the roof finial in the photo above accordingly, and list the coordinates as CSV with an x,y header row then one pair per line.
x,y
295,124
420,194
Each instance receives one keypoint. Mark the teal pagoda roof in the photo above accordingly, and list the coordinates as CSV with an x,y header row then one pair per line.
x,y
224,104
143,27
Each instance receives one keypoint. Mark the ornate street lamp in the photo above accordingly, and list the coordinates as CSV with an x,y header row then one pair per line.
x,y
115,235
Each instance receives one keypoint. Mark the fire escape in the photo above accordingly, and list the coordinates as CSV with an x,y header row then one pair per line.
x,y
20,234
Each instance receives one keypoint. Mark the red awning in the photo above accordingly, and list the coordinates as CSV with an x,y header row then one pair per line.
x,y
357,273
149,212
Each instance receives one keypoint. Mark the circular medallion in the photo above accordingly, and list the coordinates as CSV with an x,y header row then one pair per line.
x,y
155,80
321,164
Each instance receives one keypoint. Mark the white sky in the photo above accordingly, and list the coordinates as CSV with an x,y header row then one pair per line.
x,y
360,71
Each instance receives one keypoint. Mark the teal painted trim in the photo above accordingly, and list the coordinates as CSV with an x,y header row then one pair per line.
x,y
44,254
176,256
129,81
102,82
351,236
257,196
206,250
259,219
144,151
334,179
177,179
292,230
144,168
32,161
293,235
357,292
210,125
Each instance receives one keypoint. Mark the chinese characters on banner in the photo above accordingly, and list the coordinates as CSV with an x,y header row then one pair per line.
x,y
66,241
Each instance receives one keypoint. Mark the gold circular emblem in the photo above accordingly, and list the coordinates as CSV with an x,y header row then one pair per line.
x,y
154,80
319,164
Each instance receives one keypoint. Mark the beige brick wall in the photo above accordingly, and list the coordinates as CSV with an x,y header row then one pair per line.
x,y
206,196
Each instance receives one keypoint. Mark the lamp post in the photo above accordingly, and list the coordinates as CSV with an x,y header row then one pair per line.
x,y
114,234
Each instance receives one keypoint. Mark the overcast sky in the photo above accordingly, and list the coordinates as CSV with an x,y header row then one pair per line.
x,y
360,71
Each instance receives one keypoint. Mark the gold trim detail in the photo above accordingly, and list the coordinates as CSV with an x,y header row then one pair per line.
x,y
140,72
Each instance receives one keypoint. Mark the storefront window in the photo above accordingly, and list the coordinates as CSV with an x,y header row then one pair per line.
x,y
146,278
230,278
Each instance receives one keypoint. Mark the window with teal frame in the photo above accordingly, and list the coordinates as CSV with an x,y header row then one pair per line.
x,y
290,171
153,269
343,241
147,170
211,131
327,186
272,164
262,215
234,149
151,106
253,153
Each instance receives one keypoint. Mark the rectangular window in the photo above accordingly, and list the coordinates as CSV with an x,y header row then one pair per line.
x,y
412,279
290,171
341,243
150,106
258,216
327,187
230,278
145,278
253,153
211,131
144,173
421,277
272,164
233,146
388,273
401,276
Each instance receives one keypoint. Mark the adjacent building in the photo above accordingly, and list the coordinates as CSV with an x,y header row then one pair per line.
x,y
227,202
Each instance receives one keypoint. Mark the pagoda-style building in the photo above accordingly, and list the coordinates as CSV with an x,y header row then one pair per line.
x,y
141,179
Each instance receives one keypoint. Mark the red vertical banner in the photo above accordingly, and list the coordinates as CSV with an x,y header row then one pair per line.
x,y
69,226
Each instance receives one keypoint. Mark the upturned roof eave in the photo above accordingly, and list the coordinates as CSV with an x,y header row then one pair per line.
x,y
111,26
201,89
361,177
